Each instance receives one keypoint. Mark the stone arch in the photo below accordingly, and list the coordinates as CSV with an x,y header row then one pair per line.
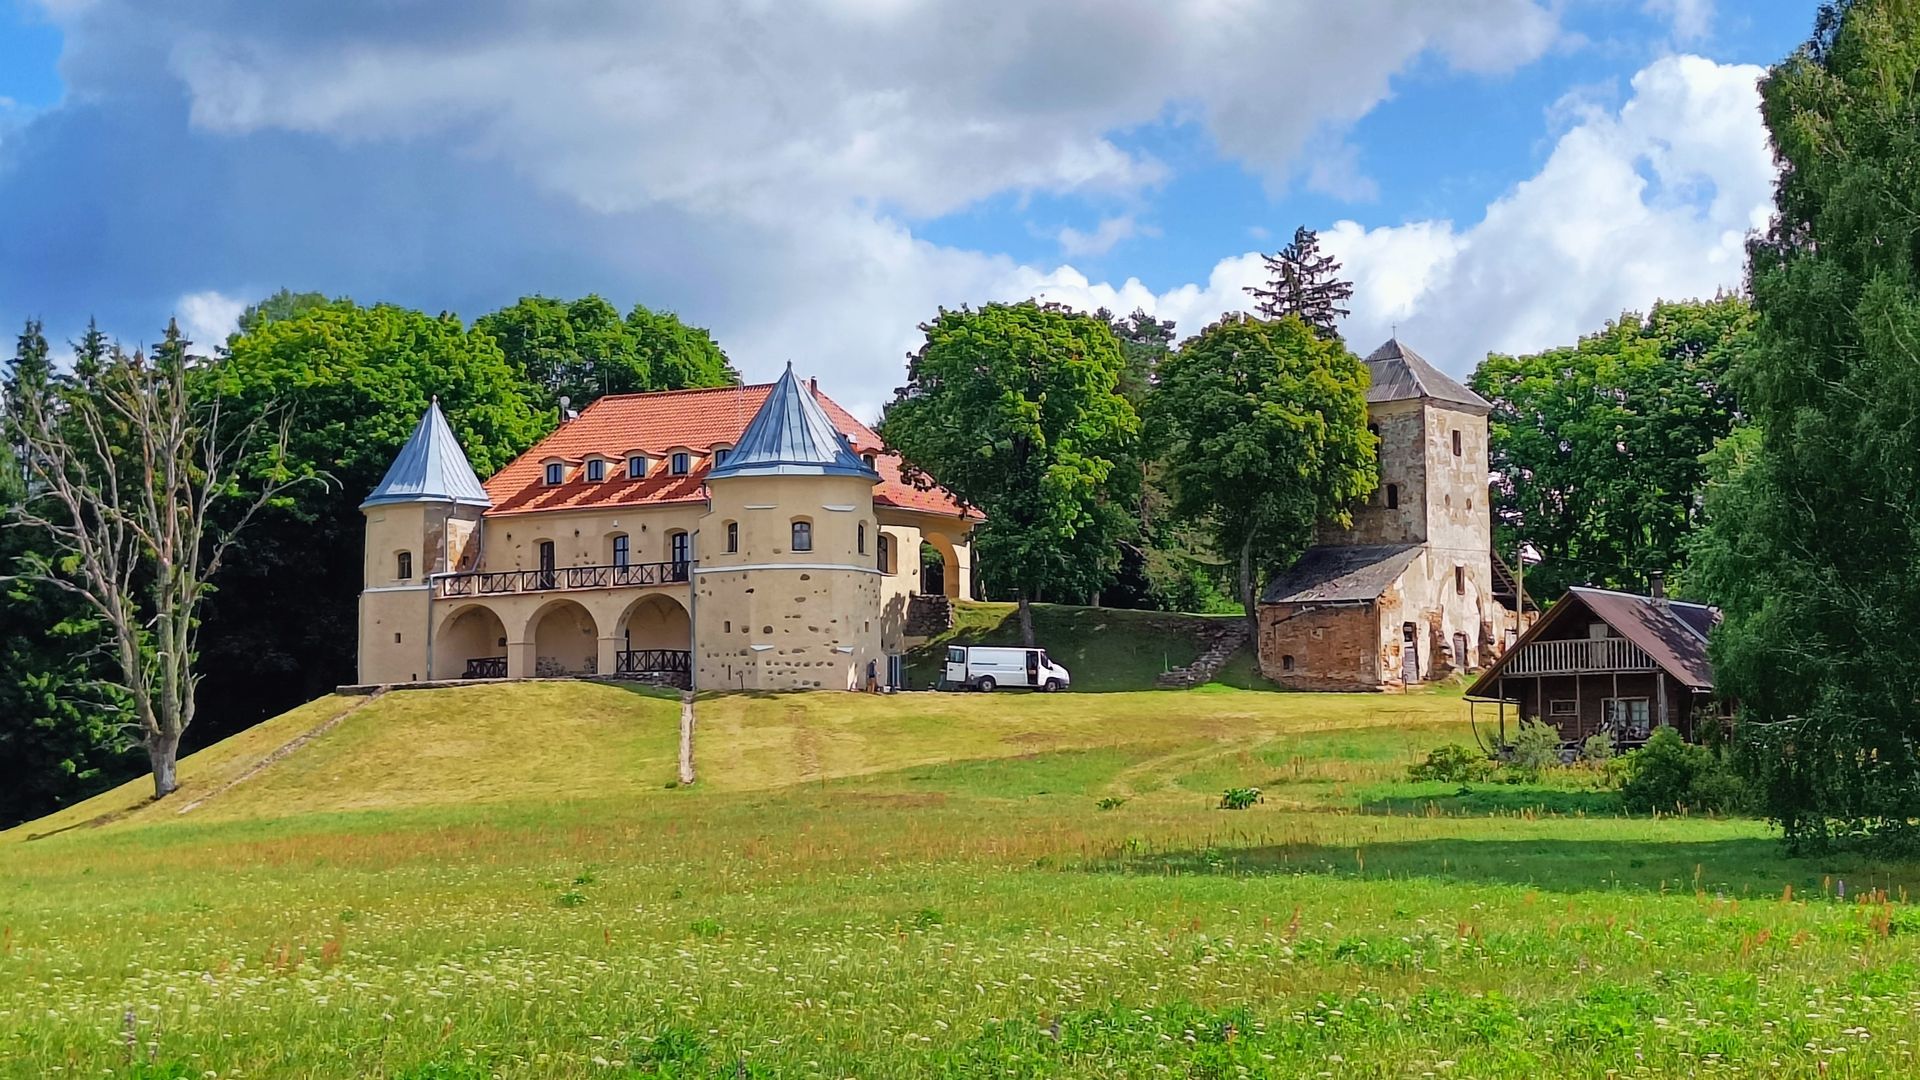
x,y
565,639
655,621
470,643
946,580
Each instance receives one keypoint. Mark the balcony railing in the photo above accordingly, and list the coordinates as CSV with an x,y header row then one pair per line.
x,y
564,577
1587,655
653,662
487,667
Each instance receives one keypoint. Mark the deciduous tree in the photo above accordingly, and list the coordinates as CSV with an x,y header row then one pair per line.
x,y
1016,409
1265,429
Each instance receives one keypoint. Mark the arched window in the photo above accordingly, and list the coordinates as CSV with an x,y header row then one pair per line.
x,y
803,535
860,539
885,547
733,537
404,566
636,467
1393,496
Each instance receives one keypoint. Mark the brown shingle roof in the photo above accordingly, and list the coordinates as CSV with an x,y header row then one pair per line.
x,y
1672,632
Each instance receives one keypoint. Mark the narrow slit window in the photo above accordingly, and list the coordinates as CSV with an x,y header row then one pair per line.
x,y
733,537
860,539
1456,444
1393,496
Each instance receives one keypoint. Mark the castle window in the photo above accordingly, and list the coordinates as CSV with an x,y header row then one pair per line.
x,y
404,568
1393,496
1286,662
860,538
885,548
868,458
680,552
622,549
803,536
733,537
1460,580
1456,444
720,456
636,467
596,470
682,463
556,474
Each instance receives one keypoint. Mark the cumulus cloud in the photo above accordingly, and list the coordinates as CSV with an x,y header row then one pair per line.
x,y
1101,239
1692,20
207,317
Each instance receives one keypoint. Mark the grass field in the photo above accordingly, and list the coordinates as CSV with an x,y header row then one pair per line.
x,y
503,881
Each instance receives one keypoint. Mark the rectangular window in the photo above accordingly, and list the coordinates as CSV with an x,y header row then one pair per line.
x,y
556,473
1563,707
404,571
1393,496
622,550
720,456
733,537
636,467
682,463
1456,444
1630,715
1460,580
956,655
860,539
885,547
596,471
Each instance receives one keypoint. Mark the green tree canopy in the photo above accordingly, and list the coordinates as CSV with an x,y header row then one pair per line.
x,y
582,349
1813,539
1015,409
1597,449
1265,429
283,625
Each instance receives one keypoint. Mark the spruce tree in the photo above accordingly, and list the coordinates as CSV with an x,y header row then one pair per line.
x,y
1302,281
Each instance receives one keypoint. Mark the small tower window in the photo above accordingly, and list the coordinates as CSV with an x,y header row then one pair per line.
x,y
556,474
1456,444
636,467
803,536
1393,496
1460,580
404,569
733,537
682,463
596,470
860,539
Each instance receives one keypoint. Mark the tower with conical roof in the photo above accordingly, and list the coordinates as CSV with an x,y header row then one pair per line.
x,y
787,595
423,519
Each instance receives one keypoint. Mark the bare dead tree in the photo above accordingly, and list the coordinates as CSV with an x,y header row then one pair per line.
x,y
124,474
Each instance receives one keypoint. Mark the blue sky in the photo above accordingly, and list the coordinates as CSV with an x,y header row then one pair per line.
x,y
811,180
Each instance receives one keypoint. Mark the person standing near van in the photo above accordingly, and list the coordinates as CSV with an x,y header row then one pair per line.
x,y
873,677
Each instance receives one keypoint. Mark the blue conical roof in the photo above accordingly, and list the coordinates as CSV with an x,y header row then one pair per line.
x,y
430,468
791,436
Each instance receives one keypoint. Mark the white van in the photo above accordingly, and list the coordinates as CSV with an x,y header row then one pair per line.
x,y
980,668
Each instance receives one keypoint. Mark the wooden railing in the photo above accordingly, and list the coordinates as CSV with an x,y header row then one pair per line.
x,y
652,661
1579,656
487,667
564,577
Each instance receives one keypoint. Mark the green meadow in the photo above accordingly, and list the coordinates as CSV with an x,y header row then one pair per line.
x,y
505,881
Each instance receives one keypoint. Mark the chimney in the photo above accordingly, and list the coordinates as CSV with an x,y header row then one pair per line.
x,y
1657,584
813,385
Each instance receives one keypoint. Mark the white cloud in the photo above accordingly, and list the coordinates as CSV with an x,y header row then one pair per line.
x,y
1109,232
207,318
1692,20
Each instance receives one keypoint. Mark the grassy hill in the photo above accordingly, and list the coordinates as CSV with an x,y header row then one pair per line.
x,y
504,881
1107,649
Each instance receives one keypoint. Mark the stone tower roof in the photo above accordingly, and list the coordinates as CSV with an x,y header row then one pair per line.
x,y
791,436
1400,374
431,467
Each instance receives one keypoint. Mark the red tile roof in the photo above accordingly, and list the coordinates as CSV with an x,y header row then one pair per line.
x,y
659,422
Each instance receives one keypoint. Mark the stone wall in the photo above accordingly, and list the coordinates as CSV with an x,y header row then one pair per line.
x,y
1321,646
928,615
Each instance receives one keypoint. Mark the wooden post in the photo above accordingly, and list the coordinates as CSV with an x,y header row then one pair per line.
x,y
686,737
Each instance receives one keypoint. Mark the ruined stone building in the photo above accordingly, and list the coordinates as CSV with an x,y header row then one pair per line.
x,y
746,537
1412,590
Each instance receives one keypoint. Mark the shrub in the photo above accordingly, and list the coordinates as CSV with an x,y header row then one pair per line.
x,y
1239,798
1597,748
1671,774
1536,747
1111,802
1453,764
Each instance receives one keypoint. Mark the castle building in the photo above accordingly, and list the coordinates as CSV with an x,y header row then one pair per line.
x,y
748,537
1412,590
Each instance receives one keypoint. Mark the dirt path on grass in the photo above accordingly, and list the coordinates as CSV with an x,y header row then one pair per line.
x,y
289,747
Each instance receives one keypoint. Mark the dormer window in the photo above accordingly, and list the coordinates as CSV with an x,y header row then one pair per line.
x,y
636,466
596,470
720,456
869,459
681,463
556,473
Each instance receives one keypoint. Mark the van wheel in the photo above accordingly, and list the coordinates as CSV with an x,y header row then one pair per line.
x,y
1053,685
985,685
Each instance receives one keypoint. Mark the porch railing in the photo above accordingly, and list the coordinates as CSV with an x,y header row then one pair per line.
x,y
487,667
1579,656
564,577
652,661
